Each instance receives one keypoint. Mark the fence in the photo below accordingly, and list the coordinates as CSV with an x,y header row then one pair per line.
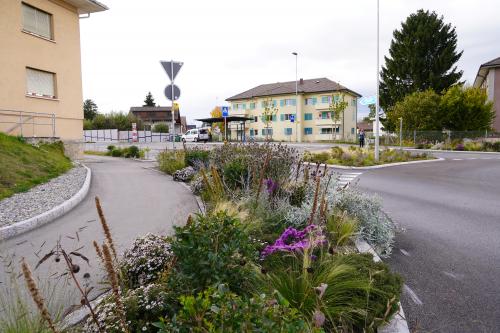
x,y
28,124
116,135
415,138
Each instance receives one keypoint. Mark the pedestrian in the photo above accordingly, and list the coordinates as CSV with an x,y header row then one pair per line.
x,y
362,139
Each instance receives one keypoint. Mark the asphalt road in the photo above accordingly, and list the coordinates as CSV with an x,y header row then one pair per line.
x,y
135,200
448,248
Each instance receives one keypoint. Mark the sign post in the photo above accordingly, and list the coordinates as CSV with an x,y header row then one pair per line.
x,y
225,114
172,92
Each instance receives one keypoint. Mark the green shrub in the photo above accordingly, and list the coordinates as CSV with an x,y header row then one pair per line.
x,y
219,310
171,161
211,250
143,306
111,148
160,128
132,151
235,173
197,157
117,152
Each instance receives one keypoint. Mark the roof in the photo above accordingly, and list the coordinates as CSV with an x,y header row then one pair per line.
x,y
483,71
221,119
284,88
151,108
87,6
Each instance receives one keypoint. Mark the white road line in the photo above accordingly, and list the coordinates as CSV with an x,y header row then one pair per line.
x,y
403,251
457,159
412,295
472,158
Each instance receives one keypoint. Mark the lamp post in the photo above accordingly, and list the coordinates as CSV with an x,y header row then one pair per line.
x,y
401,133
377,107
296,98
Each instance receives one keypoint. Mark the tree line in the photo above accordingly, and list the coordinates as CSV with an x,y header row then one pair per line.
x,y
420,81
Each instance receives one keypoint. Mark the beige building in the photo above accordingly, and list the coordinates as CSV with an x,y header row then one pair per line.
x,y
305,117
488,78
40,77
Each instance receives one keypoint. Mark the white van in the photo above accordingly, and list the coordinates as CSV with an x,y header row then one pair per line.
x,y
197,134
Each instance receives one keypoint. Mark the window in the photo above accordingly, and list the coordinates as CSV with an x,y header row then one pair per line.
x,y
308,131
267,131
326,99
286,116
251,132
326,130
37,22
288,102
310,101
308,116
239,106
288,131
354,102
40,83
325,115
352,130
271,104
252,106
255,119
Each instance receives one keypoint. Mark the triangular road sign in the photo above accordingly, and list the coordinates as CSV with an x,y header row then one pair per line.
x,y
172,68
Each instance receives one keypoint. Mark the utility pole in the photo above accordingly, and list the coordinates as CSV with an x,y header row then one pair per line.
x,y
172,109
296,98
401,133
377,108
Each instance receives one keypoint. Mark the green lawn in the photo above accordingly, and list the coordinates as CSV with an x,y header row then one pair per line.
x,y
23,166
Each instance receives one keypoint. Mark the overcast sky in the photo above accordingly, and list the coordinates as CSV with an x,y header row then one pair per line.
x,y
229,46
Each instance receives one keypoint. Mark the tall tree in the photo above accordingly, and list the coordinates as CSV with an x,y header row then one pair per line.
x,y
149,101
337,108
423,55
89,109
371,114
217,113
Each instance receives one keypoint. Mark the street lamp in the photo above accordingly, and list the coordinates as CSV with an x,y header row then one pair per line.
x,y
296,98
377,108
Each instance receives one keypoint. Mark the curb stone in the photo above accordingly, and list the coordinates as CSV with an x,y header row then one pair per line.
x,y
50,215
335,166
398,323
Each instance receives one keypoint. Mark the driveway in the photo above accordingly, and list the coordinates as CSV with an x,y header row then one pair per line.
x,y
135,199
448,249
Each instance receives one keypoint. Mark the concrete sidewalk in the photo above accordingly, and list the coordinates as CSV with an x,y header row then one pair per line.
x,y
135,201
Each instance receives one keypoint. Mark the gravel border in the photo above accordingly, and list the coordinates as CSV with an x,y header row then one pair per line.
x,y
55,210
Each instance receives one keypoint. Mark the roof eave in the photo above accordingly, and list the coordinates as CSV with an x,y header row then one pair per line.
x,y
87,6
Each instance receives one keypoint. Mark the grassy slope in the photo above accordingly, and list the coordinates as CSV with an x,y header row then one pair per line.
x,y
23,166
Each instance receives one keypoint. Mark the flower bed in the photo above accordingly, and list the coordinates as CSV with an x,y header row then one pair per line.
x,y
273,253
359,157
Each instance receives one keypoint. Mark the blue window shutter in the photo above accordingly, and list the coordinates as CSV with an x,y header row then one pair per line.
x,y
262,104
244,106
282,117
274,117
314,100
294,102
282,102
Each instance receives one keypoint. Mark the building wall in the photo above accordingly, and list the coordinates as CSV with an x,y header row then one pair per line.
x,y
19,50
496,98
297,130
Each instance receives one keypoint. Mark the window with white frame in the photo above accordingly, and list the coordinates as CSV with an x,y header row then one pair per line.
x,y
37,21
326,130
40,83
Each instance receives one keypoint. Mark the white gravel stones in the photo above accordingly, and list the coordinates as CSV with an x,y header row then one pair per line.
x,y
39,199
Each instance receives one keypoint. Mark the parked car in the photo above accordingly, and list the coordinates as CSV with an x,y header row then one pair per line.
x,y
197,134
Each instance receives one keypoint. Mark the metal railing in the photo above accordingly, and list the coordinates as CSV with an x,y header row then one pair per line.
x,y
27,123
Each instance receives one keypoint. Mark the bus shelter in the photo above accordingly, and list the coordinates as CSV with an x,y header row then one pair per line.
x,y
232,124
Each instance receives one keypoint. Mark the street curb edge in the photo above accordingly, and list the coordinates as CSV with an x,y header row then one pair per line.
x,y
50,215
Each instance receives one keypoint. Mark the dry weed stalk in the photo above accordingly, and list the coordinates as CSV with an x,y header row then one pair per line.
x,y
98,251
315,202
262,174
113,279
36,295
105,227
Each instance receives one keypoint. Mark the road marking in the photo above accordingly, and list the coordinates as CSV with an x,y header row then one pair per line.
x,y
403,251
457,159
472,158
348,177
412,295
453,276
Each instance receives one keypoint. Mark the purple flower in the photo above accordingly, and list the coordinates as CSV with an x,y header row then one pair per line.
x,y
271,186
295,240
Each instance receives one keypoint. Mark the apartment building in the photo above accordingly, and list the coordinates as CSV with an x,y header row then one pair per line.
x,y
279,113
40,80
488,78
